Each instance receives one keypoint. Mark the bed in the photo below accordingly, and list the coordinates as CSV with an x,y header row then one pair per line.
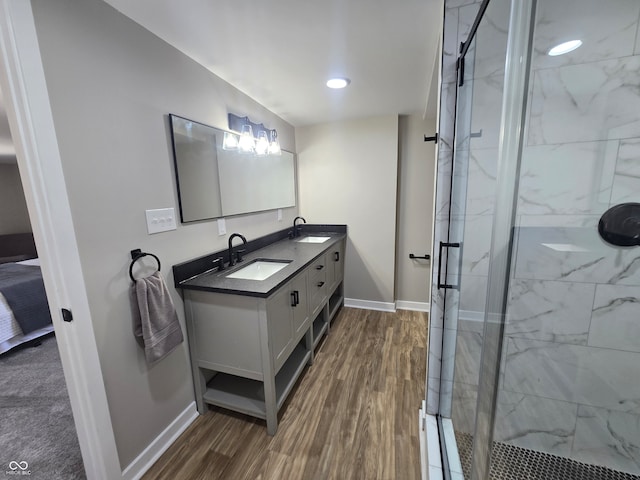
x,y
24,312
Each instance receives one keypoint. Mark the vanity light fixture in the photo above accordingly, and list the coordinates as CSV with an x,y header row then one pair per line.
x,y
253,137
564,47
338,82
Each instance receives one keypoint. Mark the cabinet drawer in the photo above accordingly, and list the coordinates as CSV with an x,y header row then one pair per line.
x,y
317,286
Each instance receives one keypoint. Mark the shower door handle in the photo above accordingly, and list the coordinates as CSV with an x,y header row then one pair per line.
x,y
444,245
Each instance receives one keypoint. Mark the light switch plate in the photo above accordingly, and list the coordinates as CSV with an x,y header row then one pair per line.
x,y
160,220
222,226
279,214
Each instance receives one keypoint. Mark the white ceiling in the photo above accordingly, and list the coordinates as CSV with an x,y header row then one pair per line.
x,y
281,52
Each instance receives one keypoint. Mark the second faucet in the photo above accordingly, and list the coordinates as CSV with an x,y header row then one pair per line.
x,y
232,262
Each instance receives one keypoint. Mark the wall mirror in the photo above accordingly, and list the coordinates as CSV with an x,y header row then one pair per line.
x,y
214,182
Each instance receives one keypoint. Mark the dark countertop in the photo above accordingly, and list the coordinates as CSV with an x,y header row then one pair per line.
x,y
299,254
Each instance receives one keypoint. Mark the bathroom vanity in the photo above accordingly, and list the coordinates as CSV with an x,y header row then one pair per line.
x,y
252,328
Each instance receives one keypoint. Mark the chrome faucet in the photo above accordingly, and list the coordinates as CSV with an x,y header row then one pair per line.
x,y
296,228
232,262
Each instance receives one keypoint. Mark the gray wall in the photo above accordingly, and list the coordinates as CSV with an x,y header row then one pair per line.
x,y
111,85
14,217
416,160
348,174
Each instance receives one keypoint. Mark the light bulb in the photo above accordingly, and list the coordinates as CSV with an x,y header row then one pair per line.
x,y
230,141
262,145
565,47
274,144
247,143
338,82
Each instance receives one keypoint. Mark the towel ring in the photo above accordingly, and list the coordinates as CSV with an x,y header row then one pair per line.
x,y
137,255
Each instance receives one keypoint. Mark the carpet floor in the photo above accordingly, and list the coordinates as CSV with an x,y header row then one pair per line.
x,y
36,423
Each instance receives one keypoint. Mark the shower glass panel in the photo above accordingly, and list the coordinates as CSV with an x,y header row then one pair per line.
x,y
564,393
477,138
570,369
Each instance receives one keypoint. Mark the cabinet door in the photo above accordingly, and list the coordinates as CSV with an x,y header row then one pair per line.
x,y
301,309
335,262
279,318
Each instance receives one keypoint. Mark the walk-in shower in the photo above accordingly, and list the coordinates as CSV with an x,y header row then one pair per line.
x,y
534,363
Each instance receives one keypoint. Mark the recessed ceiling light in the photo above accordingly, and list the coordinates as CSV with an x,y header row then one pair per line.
x,y
338,82
565,47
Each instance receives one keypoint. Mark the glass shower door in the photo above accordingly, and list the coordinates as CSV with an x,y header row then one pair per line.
x,y
472,210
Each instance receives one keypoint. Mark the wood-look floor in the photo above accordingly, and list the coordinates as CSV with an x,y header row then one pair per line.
x,y
353,414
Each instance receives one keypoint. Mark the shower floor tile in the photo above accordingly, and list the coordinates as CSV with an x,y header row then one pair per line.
x,y
509,462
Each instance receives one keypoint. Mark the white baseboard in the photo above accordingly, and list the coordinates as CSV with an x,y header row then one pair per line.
x,y
415,306
162,442
370,305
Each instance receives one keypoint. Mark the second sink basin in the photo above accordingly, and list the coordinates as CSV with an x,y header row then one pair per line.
x,y
313,239
259,269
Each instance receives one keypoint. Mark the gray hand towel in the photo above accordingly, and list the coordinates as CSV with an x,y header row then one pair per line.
x,y
155,318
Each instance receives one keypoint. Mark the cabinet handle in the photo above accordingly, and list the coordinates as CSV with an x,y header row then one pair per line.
x,y
295,292
319,267
293,299
320,284
336,256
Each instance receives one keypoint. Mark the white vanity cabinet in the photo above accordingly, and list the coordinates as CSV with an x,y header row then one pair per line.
x,y
248,351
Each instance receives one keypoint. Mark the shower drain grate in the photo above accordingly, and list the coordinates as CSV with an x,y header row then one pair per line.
x,y
509,462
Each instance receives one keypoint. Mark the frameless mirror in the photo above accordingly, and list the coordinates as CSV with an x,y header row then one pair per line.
x,y
214,182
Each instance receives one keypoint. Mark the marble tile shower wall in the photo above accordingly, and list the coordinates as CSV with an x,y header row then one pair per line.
x,y
571,375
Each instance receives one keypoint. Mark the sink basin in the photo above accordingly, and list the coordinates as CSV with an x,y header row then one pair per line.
x,y
259,269
313,239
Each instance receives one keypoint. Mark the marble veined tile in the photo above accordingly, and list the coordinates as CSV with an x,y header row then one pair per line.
x,y
481,187
491,40
448,354
446,125
486,111
574,373
626,180
608,438
476,244
435,352
466,15
450,45
433,396
615,322
534,422
473,296
588,221
582,103
607,30
467,360
574,254
548,310
567,179
463,411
